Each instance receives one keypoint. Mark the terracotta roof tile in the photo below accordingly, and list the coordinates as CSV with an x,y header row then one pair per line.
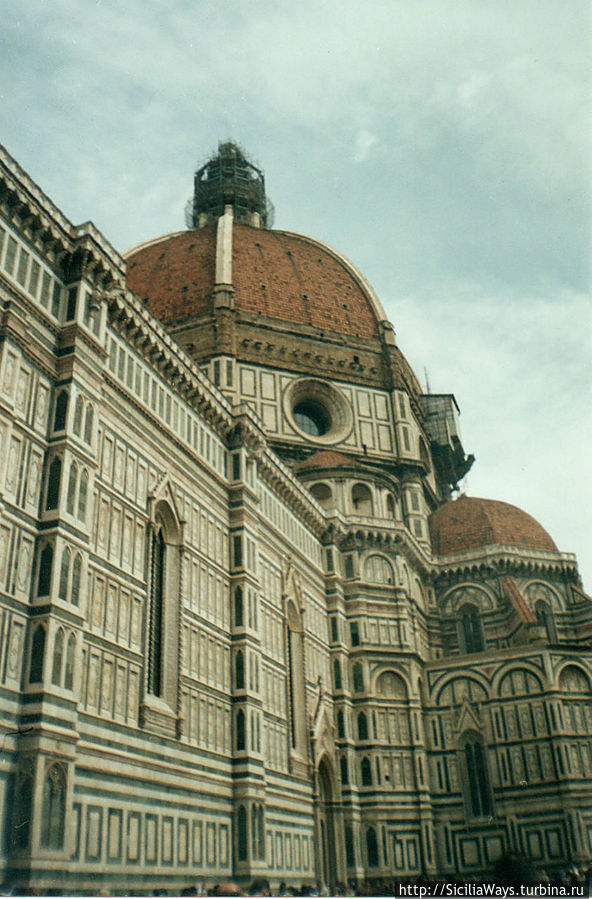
x,y
275,274
324,459
470,523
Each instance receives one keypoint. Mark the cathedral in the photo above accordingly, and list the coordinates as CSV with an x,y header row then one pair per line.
x,y
247,631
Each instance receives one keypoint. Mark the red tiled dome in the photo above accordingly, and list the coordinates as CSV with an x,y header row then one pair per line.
x,y
470,523
324,459
274,273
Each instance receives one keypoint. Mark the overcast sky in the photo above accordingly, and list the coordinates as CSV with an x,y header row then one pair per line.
x,y
442,145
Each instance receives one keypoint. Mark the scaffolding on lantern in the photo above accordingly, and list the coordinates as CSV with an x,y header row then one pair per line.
x,y
229,179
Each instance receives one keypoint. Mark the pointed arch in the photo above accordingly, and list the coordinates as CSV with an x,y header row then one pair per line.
x,y
58,658
71,492
61,411
37,655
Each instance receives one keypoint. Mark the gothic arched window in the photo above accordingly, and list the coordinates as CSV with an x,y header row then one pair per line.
x,y
337,674
362,499
54,477
58,657
83,495
544,616
344,770
340,725
71,494
69,666
372,847
155,634
242,834
362,726
88,424
358,676
78,409
476,780
379,570
61,411
238,607
65,574
239,670
45,568
366,772
471,629
296,686
37,654
241,737
76,575
54,808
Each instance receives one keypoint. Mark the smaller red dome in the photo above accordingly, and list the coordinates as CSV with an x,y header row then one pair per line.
x,y
324,459
469,523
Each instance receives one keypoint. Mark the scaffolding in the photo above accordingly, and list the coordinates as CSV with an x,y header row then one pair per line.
x,y
229,179
442,427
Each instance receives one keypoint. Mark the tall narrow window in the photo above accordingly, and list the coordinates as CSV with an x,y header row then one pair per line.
x,y
45,568
53,483
358,673
545,619
238,607
83,495
76,573
37,654
156,608
471,630
261,835
88,424
61,411
54,808
78,410
362,726
240,670
340,725
71,494
241,737
344,770
69,666
22,810
65,573
350,856
372,847
58,657
242,835
477,783
337,674
366,772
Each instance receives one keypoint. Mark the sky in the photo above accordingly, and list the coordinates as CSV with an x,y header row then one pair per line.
x,y
442,145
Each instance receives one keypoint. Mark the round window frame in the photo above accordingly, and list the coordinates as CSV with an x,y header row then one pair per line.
x,y
333,403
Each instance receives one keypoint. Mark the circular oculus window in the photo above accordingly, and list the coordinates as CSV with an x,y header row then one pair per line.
x,y
316,410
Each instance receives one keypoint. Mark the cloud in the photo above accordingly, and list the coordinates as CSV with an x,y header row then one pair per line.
x,y
364,143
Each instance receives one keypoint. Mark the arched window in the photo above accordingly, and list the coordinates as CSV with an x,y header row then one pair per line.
x,y
471,629
337,674
78,409
88,424
58,657
391,507
379,570
238,607
83,495
261,834
362,500
323,495
54,808
544,617
350,856
45,568
61,411
69,667
155,633
476,780
22,810
37,654
71,494
362,726
76,574
366,772
296,685
358,673
65,573
240,731
254,827
344,770
242,833
372,847
340,725
53,483
239,670
354,630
